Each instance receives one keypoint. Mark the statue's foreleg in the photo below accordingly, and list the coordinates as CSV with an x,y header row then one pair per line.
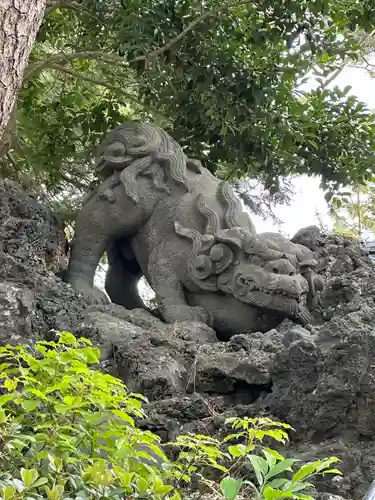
x,y
98,224
170,293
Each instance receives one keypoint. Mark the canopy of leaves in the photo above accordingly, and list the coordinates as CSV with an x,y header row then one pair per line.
x,y
227,78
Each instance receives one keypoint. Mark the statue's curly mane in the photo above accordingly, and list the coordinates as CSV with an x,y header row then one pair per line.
x,y
148,151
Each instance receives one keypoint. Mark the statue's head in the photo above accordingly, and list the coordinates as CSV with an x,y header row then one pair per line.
x,y
136,149
270,272
266,271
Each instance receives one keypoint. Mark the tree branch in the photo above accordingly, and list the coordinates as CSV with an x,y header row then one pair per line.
x,y
51,7
108,85
64,4
60,58
189,27
173,41
95,81
333,77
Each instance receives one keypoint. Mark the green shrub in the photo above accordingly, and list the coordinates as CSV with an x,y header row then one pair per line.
x,y
267,470
201,451
68,432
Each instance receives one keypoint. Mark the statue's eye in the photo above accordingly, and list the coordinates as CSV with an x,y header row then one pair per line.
x,y
255,260
275,270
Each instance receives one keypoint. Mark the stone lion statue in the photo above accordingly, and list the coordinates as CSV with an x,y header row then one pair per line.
x,y
159,213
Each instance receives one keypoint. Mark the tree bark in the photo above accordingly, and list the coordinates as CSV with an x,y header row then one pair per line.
x,y
19,24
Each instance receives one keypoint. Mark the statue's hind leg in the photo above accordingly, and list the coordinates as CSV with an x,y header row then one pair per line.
x,y
123,275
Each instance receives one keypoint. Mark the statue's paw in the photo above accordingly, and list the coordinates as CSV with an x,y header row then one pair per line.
x,y
99,297
93,295
187,313
303,316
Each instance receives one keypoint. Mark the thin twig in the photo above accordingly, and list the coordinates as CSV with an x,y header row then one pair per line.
x,y
62,5
157,52
333,77
62,57
359,213
99,82
70,6
95,81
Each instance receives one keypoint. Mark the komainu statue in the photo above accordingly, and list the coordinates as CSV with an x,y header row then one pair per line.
x,y
160,214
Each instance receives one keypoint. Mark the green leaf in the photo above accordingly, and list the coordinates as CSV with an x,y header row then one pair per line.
x,y
3,417
283,465
29,476
30,404
278,435
271,494
3,369
238,450
142,485
230,437
295,487
175,496
55,493
274,453
332,471
305,471
40,482
8,492
124,416
260,468
230,487
327,462
276,483
67,338
271,457
61,408
10,384
92,356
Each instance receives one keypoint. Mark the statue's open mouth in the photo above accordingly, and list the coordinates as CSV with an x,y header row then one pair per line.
x,y
293,305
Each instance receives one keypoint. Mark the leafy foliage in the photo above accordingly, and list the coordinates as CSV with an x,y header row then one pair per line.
x,y
353,212
228,79
68,432
268,470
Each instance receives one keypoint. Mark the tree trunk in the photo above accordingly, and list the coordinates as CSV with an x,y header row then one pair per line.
x,y
19,24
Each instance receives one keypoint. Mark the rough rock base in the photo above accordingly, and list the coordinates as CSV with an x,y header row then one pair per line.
x,y
321,380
